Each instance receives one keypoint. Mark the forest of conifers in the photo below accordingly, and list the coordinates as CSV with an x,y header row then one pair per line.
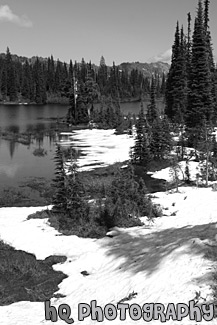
x,y
41,81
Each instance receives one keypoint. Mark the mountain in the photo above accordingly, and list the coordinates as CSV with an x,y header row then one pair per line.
x,y
147,68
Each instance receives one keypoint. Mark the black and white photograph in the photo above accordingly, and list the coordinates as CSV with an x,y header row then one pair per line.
x,y
108,162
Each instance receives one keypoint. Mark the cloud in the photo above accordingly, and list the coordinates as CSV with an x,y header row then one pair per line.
x,y
163,57
7,15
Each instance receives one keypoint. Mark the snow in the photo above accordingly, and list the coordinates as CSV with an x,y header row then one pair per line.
x,y
165,173
162,261
99,147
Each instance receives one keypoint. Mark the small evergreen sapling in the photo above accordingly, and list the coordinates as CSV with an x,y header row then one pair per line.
x,y
59,199
187,172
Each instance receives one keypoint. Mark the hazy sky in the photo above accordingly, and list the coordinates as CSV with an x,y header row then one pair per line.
x,y
120,30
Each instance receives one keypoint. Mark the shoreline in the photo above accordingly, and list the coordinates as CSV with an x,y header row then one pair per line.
x,y
26,103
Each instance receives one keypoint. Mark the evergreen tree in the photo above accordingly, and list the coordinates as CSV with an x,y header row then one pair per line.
x,y
113,83
200,99
83,71
170,84
60,197
77,206
57,77
176,87
188,48
141,150
161,140
152,113
90,91
10,77
78,105
126,200
71,71
180,82
72,110
163,85
209,51
102,76
50,87
4,80
40,90
26,81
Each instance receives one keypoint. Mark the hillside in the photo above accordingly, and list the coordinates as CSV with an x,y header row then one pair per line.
x,y
147,68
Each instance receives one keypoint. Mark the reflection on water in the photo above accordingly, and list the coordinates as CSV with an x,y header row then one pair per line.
x,y
19,161
27,142
28,116
28,137
10,171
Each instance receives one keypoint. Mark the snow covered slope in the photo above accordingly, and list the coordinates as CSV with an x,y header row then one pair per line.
x,y
161,262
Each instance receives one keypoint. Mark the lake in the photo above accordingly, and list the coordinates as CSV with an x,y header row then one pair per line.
x,y
29,134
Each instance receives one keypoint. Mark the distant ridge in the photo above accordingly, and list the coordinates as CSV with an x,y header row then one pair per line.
x,y
146,68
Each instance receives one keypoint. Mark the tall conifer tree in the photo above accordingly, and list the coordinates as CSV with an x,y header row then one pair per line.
x,y
170,84
152,113
200,99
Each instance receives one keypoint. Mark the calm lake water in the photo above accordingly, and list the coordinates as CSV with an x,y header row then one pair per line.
x,y
19,161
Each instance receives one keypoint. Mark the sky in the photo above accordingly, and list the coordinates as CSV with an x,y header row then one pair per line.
x,y
120,30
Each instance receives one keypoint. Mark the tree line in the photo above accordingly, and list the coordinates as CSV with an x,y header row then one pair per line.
x,y
190,101
40,80
191,85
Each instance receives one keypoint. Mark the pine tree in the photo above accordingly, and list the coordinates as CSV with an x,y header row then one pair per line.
x,y
78,102
141,151
90,91
152,113
188,48
60,197
50,87
77,206
83,71
205,145
102,75
26,82
180,82
161,140
10,77
4,80
176,88
163,85
40,90
200,99
113,82
126,199
209,51
170,84
157,139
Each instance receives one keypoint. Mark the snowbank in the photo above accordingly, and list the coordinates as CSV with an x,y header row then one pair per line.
x,y
99,147
162,262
